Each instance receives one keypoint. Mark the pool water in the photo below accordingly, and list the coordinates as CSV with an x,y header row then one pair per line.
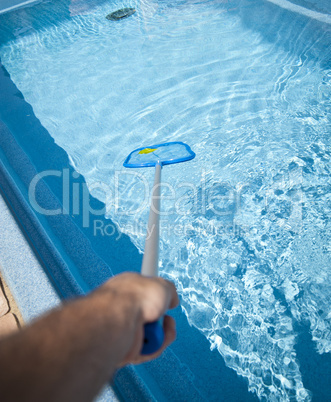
x,y
245,226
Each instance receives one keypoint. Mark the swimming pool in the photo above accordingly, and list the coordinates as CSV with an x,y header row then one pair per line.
x,y
245,227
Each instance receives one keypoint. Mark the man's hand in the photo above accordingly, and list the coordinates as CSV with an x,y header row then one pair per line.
x,y
69,354
149,298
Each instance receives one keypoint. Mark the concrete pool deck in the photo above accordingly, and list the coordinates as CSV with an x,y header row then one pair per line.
x,y
25,291
21,270
11,321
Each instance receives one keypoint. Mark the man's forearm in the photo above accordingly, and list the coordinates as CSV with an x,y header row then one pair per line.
x,y
70,354
77,347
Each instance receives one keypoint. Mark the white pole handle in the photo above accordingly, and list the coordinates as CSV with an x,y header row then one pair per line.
x,y
150,265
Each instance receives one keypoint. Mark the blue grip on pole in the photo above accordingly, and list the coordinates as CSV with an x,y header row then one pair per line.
x,y
153,338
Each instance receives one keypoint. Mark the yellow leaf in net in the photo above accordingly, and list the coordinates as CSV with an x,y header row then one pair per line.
x,y
147,151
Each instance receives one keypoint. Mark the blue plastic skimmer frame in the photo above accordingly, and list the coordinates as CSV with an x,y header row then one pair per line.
x,y
163,159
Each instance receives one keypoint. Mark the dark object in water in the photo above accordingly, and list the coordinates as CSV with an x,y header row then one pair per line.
x,y
120,14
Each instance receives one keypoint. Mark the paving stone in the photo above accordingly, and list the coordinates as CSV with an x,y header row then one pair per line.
x,y
4,307
8,324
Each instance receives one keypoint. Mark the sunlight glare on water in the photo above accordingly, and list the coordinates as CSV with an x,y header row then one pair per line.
x,y
246,225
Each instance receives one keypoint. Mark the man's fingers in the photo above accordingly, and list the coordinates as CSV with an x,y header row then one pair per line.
x,y
169,327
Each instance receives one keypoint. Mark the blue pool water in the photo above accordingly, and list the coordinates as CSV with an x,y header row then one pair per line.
x,y
245,227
